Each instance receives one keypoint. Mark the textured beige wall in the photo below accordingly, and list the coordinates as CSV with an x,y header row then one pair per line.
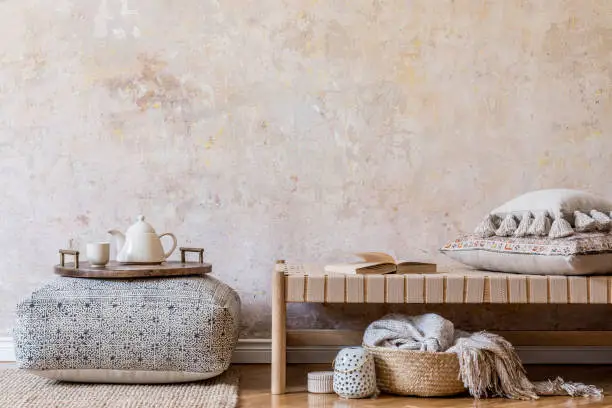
x,y
296,130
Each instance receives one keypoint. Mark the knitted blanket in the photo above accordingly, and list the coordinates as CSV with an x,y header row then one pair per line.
x,y
489,365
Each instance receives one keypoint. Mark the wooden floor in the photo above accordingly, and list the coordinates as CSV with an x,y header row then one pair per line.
x,y
255,391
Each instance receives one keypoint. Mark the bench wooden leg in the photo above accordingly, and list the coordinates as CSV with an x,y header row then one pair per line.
x,y
279,331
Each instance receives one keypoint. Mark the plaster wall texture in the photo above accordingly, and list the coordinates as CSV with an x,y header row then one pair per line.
x,y
298,130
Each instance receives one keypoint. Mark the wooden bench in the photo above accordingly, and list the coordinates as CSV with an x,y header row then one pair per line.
x,y
299,284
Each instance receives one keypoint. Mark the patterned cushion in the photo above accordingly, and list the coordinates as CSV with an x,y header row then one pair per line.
x,y
579,254
137,330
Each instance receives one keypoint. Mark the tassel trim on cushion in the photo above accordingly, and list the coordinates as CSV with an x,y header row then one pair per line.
x,y
560,228
507,226
487,227
541,225
584,223
602,221
523,228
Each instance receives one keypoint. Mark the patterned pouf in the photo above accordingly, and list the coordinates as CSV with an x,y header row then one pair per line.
x,y
128,331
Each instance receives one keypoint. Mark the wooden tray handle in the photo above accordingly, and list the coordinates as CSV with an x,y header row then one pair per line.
x,y
75,254
199,251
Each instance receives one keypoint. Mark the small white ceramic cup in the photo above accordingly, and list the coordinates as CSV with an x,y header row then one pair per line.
x,y
98,253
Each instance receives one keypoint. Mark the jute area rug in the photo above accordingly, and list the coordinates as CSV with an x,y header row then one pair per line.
x,y
18,389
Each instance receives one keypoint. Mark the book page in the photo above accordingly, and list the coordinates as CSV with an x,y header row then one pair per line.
x,y
362,268
350,268
376,257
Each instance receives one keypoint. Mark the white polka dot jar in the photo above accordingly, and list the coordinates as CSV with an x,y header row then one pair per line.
x,y
354,373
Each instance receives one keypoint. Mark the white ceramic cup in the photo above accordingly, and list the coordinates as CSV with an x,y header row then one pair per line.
x,y
98,253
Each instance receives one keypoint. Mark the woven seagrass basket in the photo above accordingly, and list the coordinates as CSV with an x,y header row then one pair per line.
x,y
417,373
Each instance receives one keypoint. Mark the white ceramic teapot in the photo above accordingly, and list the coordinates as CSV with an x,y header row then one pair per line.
x,y
141,244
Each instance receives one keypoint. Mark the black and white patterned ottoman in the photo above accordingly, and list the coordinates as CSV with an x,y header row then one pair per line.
x,y
128,331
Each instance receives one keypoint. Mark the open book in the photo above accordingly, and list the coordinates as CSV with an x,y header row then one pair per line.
x,y
380,263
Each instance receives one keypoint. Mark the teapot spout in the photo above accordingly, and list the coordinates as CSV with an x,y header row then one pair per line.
x,y
118,237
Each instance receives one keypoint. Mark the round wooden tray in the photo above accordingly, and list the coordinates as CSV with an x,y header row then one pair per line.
x,y
114,270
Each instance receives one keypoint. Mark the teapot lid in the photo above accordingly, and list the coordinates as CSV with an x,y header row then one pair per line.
x,y
141,227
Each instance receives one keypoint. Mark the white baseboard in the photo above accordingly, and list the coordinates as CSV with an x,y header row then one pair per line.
x,y
7,351
258,351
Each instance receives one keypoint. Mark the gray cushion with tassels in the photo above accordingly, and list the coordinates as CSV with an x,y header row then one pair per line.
x,y
547,232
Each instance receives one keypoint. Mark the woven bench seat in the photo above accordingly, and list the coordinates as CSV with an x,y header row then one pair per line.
x,y
310,284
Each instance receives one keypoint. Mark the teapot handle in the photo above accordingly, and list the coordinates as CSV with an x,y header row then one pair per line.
x,y
167,254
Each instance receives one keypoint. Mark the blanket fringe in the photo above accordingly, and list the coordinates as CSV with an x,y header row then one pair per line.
x,y
490,367
559,387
